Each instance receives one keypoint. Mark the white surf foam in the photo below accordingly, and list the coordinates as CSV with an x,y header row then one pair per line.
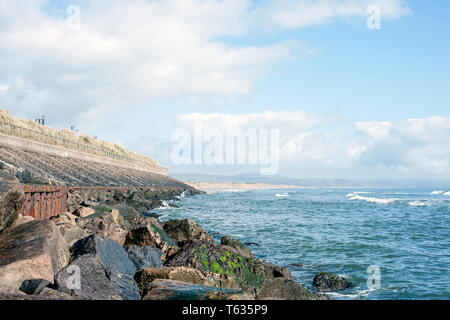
x,y
447,193
354,196
437,192
419,203
282,195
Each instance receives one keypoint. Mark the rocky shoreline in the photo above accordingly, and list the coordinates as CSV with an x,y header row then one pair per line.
x,y
108,246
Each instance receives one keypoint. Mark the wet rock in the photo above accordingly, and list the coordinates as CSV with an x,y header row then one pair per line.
x,y
248,273
149,235
110,224
285,289
11,199
325,281
239,246
145,257
177,290
34,286
34,250
185,230
274,271
106,273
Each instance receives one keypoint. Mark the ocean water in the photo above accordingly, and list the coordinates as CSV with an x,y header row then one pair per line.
x,y
404,232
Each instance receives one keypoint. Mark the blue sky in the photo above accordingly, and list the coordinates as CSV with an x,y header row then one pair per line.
x,y
132,71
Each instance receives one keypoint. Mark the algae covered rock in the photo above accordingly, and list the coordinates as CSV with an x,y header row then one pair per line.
x,y
205,256
325,281
239,246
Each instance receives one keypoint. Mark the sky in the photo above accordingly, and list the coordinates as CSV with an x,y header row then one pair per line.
x,y
348,101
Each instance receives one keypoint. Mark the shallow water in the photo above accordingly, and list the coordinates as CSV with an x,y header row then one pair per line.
x,y
405,232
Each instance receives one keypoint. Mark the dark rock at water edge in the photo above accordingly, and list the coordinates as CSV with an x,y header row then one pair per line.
x,y
325,281
285,289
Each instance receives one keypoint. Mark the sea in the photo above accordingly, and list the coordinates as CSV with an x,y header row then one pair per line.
x,y
390,243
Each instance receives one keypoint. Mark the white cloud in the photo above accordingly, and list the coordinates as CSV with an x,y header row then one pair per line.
x,y
301,13
408,148
127,54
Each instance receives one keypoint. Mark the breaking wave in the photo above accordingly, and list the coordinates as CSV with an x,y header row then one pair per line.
x,y
354,196
282,195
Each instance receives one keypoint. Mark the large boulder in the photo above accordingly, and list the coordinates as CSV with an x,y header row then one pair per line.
x,y
145,257
239,246
34,250
11,199
285,289
185,230
149,235
105,271
205,256
177,290
110,224
325,281
145,277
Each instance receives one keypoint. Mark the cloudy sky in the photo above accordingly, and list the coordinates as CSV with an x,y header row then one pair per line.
x,y
349,101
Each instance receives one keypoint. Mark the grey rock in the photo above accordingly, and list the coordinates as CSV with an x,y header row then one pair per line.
x,y
11,199
110,224
105,270
274,271
34,286
145,257
285,289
